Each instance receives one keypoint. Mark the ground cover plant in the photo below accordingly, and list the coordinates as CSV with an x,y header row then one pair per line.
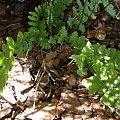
x,y
50,26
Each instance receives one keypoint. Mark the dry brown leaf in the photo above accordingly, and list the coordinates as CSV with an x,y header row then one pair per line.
x,y
39,58
100,31
1,42
95,105
2,30
100,34
72,80
62,56
67,51
2,10
56,62
50,64
51,55
90,34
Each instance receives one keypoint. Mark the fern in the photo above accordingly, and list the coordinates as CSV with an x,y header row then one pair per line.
x,y
83,12
109,8
39,17
6,61
104,64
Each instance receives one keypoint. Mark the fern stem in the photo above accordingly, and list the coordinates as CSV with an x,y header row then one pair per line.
x,y
50,17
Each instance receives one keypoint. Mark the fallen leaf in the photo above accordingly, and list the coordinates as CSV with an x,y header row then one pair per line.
x,y
100,34
2,30
50,63
51,55
2,10
72,80
1,42
100,31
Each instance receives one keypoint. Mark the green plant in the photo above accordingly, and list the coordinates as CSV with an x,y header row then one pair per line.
x,y
48,14
104,65
85,10
101,62
6,60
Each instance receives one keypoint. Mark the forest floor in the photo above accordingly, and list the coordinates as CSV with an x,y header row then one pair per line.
x,y
51,90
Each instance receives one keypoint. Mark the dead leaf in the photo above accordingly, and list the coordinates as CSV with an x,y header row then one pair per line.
x,y
1,42
39,58
2,10
100,31
2,30
56,62
67,51
51,55
95,105
50,64
100,34
90,34
72,80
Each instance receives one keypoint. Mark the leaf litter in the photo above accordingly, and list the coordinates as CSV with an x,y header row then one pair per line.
x,y
55,92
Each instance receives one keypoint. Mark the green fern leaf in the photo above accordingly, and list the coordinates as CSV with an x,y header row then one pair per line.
x,y
6,50
32,18
45,44
10,43
110,9
52,40
2,58
67,2
3,78
80,43
33,14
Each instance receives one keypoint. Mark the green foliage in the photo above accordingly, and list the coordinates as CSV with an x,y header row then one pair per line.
x,y
104,64
109,8
48,27
85,10
6,60
50,16
59,6
39,17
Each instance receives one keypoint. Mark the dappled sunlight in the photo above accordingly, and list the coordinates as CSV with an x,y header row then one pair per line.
x,y
17,73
